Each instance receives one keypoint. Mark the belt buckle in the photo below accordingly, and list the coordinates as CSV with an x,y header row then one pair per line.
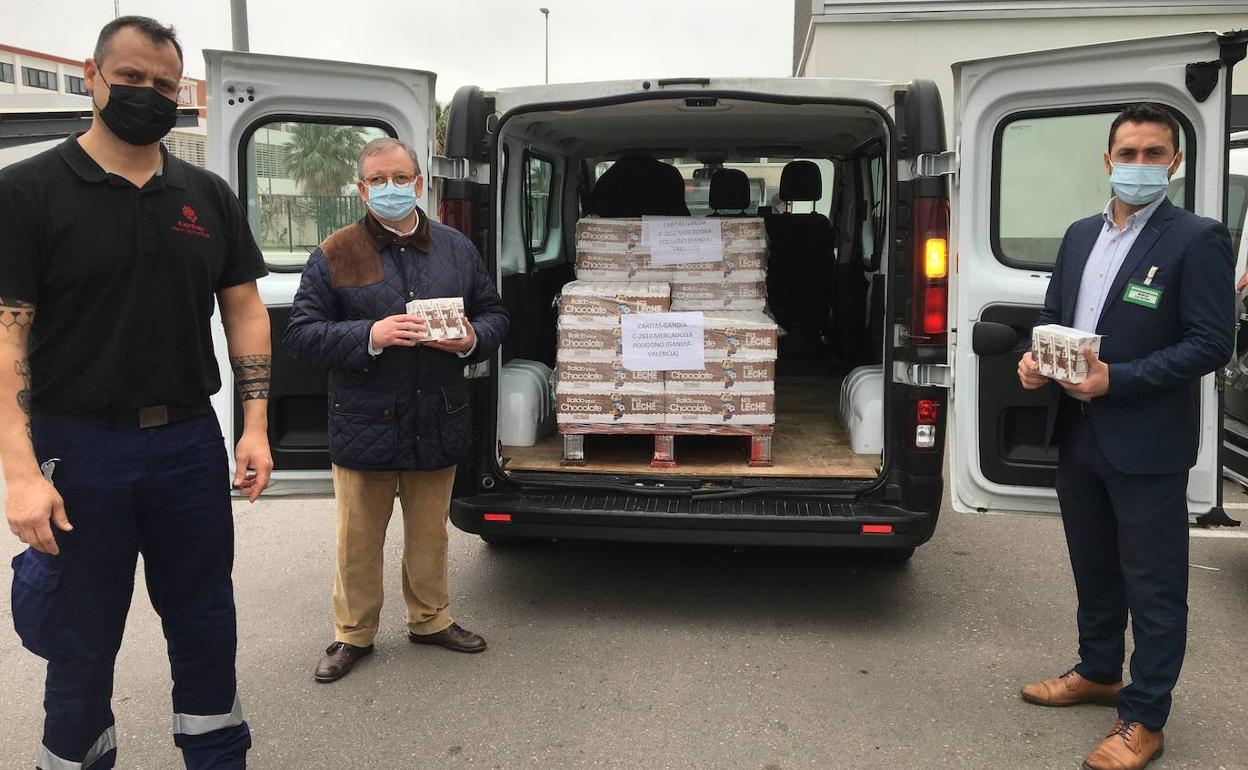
x,y
153,416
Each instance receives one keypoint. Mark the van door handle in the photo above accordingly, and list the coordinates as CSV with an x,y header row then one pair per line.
x,y
989,338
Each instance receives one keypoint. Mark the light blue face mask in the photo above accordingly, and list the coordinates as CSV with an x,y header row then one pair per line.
x,y
1139,184
391,201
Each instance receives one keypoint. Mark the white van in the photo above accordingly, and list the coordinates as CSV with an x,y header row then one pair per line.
x,y
940,311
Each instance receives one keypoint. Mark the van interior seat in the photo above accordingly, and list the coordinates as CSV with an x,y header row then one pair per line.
x,y
730,191
801,263
639,185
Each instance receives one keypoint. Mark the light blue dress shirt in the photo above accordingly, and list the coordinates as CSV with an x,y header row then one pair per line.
x,y
1111,249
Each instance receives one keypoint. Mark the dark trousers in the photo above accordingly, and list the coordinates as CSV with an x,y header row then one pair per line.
x,y
1128,540
163,493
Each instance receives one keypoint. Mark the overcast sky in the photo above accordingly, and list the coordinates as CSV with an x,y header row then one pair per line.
x,y
491,43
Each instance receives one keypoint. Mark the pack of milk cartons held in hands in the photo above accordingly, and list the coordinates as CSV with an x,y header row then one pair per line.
x,y
711,263
443,316
1058,351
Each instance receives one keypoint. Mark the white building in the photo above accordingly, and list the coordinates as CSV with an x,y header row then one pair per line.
x,y
901,40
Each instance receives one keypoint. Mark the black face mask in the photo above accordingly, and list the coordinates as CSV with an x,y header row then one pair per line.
x,y
138,114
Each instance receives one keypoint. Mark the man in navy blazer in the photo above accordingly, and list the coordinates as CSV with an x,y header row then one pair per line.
x,y
1157,281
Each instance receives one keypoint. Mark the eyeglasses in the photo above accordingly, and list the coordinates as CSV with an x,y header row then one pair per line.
x,y
379,180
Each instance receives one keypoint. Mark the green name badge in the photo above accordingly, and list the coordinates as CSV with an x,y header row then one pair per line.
x,y
1144,296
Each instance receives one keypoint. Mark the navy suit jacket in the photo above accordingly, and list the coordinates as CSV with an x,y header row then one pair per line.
x,y
1149,422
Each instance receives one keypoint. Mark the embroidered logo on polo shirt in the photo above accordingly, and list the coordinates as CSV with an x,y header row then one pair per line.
x,y
190,224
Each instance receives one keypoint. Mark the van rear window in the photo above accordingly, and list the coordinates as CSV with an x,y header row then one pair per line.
x,y
1048,172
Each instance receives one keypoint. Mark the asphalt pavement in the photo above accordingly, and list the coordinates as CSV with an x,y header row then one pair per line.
x,y
636,656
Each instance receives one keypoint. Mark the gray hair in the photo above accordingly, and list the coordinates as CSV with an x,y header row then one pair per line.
x,y
384,144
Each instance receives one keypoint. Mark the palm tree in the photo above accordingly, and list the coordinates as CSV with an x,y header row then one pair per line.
x,y
443,115
321,158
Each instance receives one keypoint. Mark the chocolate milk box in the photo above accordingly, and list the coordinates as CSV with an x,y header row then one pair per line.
x,y
744,334
723,408
719,295
609,407
572,376
734,375
624,234
743,266
1059,351
588,302
444,317
600,341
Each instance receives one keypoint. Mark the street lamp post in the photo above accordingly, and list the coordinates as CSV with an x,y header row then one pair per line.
x,y
546,14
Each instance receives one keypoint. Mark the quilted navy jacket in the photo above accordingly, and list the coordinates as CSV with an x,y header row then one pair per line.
x,y
408,408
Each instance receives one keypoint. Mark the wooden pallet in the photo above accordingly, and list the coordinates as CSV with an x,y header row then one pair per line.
x,y
664,455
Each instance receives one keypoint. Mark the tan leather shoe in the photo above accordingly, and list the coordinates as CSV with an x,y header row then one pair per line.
x,y
1129,746
1070,689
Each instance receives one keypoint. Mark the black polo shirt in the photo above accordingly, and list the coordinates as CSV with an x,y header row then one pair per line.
x,y
123,279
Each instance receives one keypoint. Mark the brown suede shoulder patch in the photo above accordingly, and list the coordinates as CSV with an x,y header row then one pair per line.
x,y
352,258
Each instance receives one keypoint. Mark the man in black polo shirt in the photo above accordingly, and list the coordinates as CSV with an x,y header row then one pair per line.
x,y
113,253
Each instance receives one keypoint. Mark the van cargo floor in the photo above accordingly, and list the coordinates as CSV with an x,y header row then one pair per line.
x,y
809,442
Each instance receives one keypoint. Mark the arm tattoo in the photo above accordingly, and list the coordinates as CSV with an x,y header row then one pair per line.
x,y
252,375
23,395
16,314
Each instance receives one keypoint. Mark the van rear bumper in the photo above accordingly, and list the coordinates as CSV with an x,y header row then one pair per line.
x,y
771,522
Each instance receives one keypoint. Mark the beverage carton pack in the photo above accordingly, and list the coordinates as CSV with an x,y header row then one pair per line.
x,y
719,295
590,341
592,301
740,334
609,407
444,317
733,375
1059,351
635,265
722,408
572,376
625,234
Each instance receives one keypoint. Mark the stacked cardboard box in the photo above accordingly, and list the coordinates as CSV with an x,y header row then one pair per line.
x,y
615,250
592,387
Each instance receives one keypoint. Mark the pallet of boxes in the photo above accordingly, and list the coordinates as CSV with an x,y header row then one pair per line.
x,y
663,333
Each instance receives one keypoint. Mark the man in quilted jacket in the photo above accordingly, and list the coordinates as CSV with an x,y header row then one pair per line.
x,y
399,407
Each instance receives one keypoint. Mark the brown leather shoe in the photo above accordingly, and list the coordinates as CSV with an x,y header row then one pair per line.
x,y
338,661
452,638
1070,689
1129,746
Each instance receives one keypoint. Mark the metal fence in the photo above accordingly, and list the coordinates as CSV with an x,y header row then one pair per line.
x,y
299,223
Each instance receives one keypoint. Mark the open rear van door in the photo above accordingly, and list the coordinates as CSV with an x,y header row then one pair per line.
x,y
285,133
1032,129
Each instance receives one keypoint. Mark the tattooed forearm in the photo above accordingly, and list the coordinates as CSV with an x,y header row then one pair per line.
x,y
252,375
15,314
23,395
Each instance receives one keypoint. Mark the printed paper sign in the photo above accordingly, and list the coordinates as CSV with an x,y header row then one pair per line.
x,y
655,342
682,240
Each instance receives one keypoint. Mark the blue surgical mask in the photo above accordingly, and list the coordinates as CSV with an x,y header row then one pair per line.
x,y
1139,184
391,201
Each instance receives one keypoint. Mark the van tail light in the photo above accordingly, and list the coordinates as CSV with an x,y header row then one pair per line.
x,y
926,414
502,518
877,529
457,214
930,318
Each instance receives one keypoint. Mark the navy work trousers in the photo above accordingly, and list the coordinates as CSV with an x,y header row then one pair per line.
x,y
162,492
1128,542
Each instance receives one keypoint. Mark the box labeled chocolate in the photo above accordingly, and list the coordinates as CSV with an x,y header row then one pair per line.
x,y
719,295
609,407
1058,351
600,341
573,376
621,234
733,375
723,408
744,265
443,317
740,334
592,301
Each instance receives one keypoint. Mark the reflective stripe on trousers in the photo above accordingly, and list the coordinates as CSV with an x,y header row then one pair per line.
x,y
107,741
197,724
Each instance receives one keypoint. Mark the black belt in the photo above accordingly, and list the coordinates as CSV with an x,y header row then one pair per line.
x,y
147,417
